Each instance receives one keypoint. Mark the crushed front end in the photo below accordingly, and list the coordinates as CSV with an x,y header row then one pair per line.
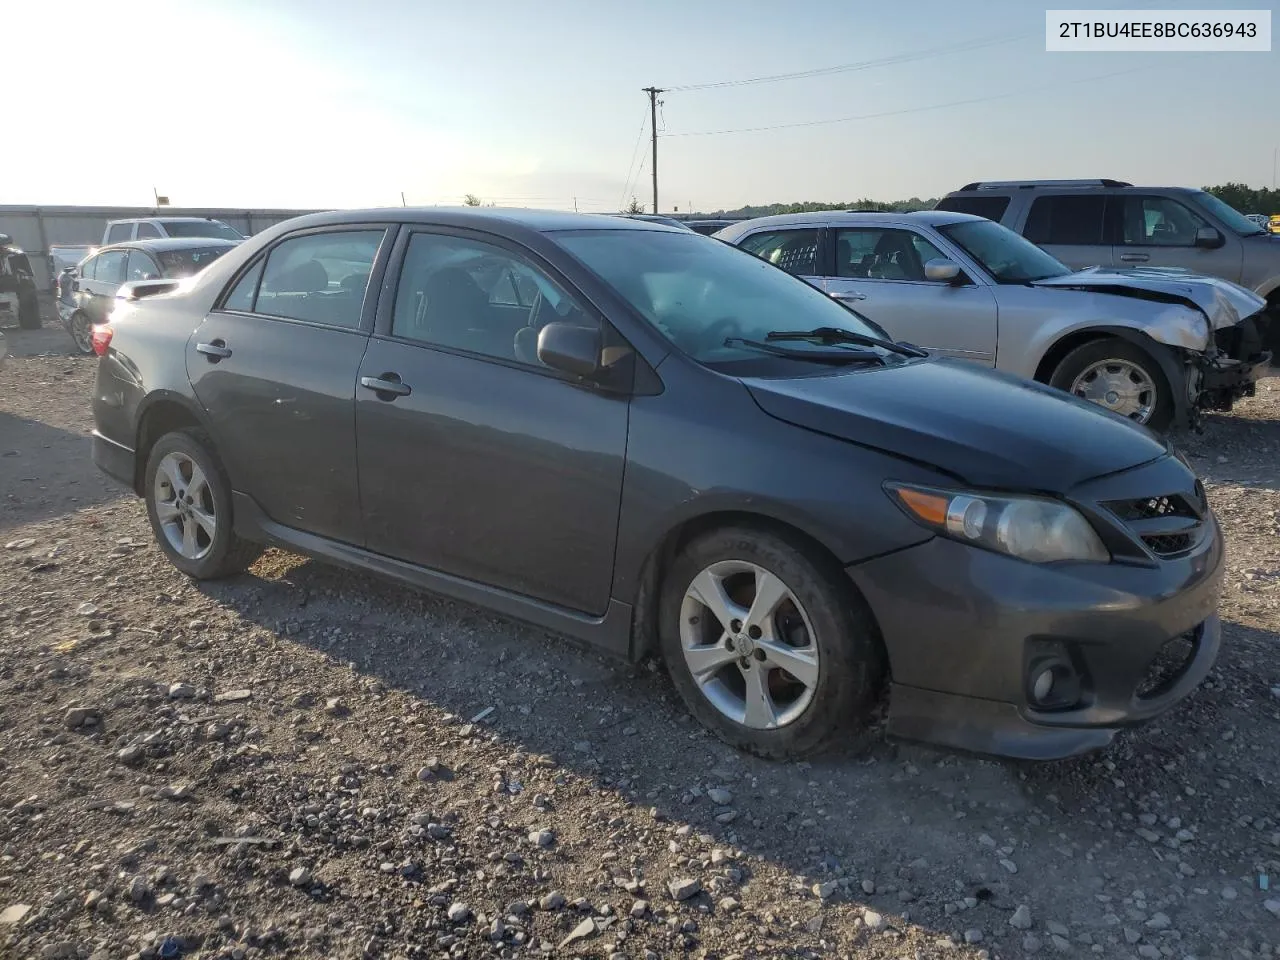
x,y
1235,362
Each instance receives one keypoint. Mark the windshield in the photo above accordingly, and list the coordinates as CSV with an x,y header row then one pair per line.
x,y
1002,253
1234,220
699,292
201,228
185,263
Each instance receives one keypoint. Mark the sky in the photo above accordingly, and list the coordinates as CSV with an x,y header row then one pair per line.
x,y
314,103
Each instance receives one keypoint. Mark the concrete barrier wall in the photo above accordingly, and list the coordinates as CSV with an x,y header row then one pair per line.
x,y
34,229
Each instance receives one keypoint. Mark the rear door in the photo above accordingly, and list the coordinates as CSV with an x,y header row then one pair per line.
x,y
274,365
879,272
1159,231
98,293
1072,227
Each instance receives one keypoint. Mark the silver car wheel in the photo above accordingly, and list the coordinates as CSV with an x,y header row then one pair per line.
x,y
749,644
185,506
1119,386
82,333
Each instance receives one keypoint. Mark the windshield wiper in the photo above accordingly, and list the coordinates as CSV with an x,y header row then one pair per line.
x,y
837,335
814,356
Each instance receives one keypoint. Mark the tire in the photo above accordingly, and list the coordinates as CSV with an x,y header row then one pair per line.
x,y
29,312
835,622
80,329
1095,355
202,557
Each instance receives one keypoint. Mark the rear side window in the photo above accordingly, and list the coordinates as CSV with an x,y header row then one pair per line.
x,y
319,277
992,208
142,267
86,269
147,231
795,251
241,297
119,232
111,266
1067,220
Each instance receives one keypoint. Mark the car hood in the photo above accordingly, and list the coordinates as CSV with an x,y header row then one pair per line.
x,y
1224,303
988,428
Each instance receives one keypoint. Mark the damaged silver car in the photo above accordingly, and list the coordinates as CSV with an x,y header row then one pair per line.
x,y
1158,346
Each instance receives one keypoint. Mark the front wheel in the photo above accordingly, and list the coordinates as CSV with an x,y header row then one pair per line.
x,y
1118,376
767,644
81,331
189,504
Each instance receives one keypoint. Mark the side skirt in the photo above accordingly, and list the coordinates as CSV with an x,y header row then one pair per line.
x,y
610,633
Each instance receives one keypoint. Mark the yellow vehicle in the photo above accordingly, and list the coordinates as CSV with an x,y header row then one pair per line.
x,y
1274,225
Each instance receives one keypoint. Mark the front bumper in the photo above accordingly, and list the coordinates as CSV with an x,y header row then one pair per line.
x,y
1238,364
964,627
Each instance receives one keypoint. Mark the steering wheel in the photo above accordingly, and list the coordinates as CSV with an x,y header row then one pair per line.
x,y
711,335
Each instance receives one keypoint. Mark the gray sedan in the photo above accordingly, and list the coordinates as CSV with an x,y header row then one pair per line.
x,y
1157,346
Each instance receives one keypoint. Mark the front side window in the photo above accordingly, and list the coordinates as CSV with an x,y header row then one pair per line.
x,y
142,267
706,297
111,266
120,232
319,277
875,253
1005,255
147,231
1160,222
795,251
187,263
1076,220
201,228
473,296
1235,221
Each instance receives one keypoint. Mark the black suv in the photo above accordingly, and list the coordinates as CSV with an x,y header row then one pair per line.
x,y
19,299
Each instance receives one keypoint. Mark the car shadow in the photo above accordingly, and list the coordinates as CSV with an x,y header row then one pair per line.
x,y
46,466
931,832
1234,449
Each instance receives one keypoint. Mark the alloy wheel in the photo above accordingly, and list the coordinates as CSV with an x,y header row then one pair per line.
x,y
749,644
82,333
185,506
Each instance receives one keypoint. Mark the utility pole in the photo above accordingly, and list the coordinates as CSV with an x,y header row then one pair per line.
x,y
653,129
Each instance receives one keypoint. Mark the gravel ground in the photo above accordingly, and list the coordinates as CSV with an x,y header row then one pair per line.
x,y
306,763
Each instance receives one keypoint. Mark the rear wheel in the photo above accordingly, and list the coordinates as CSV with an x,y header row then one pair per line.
x,y
767,644
1118,376
189,504
81,332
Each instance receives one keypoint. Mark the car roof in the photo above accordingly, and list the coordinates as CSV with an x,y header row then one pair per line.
x,y
162,244
541,221
927,218
999,188
163,219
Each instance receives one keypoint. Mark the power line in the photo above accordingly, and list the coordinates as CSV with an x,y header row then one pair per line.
x,y
963,46
626,187
893,113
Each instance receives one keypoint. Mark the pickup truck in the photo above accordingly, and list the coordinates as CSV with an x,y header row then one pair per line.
x,y
157,228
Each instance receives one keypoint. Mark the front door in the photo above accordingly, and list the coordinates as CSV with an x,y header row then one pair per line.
x,y
475,459
274,365
1158,231
879,272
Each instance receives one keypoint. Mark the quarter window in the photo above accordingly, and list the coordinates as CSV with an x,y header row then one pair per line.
x,y
319,277
142,267
1160,222
1076,220
241,298
120,232
883,254
476,297
147,231
795,251
111,266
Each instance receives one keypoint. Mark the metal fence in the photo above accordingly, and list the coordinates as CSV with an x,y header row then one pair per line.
x,y
35,229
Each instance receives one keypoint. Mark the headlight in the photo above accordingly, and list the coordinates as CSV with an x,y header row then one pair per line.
x,y
1030,528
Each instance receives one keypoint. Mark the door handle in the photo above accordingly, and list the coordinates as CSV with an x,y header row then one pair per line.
x,y
1134,257
387,387
215,351
850,296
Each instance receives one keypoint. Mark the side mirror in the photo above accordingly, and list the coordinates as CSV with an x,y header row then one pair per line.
x,y
570,348
1209,238
941,270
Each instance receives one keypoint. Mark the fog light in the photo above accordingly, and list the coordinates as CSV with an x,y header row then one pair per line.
x,y
1043,685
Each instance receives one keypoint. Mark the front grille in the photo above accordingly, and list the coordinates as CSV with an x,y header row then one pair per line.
x,y
1168,666
1144,515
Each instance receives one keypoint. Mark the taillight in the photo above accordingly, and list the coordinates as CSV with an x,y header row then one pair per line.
x,y
100,337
